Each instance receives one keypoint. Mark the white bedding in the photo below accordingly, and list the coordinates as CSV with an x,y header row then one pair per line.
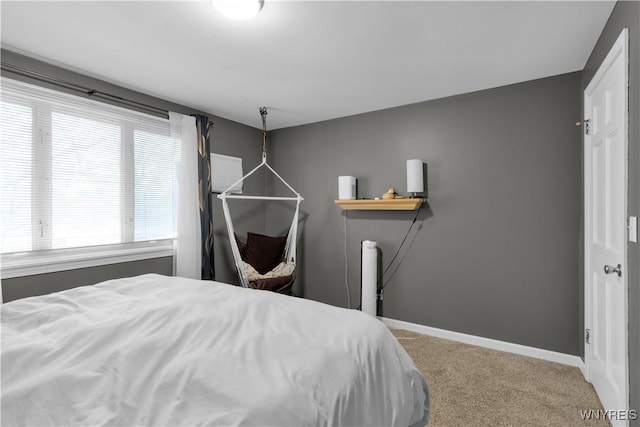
x,y
166,351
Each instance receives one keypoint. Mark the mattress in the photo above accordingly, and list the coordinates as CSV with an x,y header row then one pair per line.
x,y
166,351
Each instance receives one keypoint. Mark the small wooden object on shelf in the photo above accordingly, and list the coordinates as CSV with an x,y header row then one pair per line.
x,y
396,204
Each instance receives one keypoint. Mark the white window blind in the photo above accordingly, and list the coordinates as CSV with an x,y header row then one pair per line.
x,y
156,185
86,182
15,176
78,173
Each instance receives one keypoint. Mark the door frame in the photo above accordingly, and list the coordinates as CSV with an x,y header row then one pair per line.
x,y
620,47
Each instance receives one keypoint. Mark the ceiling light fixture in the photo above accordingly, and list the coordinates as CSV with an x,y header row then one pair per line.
x,y
239,10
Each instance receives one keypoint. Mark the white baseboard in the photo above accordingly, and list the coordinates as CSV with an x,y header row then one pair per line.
x,y
523,350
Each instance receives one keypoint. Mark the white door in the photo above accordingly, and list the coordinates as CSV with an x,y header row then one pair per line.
x,y
605,229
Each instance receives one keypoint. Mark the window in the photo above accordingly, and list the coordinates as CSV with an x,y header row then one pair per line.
x,y
80,177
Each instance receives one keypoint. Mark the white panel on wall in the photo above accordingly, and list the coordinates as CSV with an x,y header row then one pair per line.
x,y
226,171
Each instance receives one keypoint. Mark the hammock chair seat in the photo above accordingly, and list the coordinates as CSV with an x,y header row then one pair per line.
x,y
264,263
281,285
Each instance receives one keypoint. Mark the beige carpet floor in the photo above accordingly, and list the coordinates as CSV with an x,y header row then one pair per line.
x,y
476,386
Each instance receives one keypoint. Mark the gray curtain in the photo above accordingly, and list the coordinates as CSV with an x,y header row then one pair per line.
x,y
204,189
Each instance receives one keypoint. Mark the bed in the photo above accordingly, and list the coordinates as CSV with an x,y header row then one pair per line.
x,y
166,351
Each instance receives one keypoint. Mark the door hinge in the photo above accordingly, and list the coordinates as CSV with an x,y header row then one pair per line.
x,y
587,336
587,127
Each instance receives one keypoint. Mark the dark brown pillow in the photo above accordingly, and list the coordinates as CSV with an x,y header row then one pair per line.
x,y
264,252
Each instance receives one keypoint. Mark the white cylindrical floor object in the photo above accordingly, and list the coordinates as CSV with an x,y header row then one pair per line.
x,y
369,288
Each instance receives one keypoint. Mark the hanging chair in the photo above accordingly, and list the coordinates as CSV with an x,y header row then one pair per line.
x,y
263,262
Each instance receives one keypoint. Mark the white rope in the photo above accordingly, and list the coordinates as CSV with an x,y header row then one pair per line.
x,y
279,177
292,237
234,244
225,192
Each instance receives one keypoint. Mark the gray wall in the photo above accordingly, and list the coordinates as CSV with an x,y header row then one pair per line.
x,y
227,137
40,284
626,14
495,253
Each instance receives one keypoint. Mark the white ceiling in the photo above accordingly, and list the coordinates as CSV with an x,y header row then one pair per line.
x,y
307,61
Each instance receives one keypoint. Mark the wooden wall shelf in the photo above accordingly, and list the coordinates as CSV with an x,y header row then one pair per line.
x,y
405,204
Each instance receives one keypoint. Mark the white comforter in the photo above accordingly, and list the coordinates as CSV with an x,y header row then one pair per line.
x,y
163,351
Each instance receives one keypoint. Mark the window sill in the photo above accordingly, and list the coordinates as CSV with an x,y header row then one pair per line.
x,y
41,262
